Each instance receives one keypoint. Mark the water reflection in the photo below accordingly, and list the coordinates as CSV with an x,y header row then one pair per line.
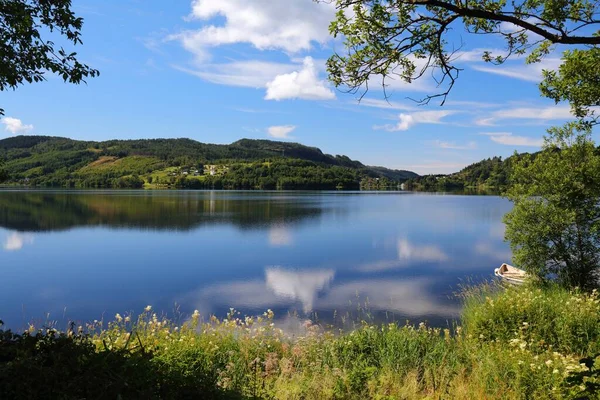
x,y
298,286
280,236
316,290
102,252
48,211
491,250
15,241
408,254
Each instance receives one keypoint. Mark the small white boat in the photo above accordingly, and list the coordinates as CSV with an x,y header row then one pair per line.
x,y
510,274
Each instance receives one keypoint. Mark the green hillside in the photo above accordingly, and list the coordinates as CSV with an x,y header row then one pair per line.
x,y
492,173
185,163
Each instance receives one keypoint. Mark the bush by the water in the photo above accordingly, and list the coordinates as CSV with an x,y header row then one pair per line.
x,y
517,343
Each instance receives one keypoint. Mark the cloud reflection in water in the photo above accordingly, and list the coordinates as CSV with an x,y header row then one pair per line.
x,y
15,241
407,253
314,289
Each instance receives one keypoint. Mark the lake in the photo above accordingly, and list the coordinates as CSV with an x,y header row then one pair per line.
x,y
329,256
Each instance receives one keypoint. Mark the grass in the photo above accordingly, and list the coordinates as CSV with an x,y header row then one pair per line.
x,y
515,343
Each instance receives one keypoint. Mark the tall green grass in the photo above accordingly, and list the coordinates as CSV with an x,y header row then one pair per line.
x,y
515,343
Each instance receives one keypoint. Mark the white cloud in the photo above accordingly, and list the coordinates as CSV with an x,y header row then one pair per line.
x,y
450,145
16,241
378,103
291,25
436,167
545,113
475,55
407,121
488,121
510,140
281,131
15,125
539,114
522,71
495,133
303,84
251,73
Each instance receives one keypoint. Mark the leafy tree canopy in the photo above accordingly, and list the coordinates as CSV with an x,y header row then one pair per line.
x,y
554,227
404,39
26,46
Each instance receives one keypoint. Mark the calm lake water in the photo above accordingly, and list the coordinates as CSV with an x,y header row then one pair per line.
x,y
84,255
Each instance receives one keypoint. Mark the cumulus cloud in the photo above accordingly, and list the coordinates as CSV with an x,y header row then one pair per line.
x,y
303,84
291,25
281,131
407,121
16,241
15,125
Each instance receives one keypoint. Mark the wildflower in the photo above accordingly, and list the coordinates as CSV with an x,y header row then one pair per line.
x,y
148,308
118,317
127,318
555,371
525,324
549,362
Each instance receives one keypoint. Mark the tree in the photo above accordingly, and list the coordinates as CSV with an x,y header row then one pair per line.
x,y
3,173
26,56
554,227
404,39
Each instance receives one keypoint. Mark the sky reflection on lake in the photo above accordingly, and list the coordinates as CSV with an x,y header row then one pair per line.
x,y
83,255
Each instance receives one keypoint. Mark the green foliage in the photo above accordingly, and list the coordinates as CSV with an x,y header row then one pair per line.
x,y
554,227
507,350
405,40
245,164
535,318
3,173
577,81
585,384
491,173
26,55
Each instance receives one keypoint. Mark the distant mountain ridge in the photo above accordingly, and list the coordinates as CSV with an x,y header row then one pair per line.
x,y
58,161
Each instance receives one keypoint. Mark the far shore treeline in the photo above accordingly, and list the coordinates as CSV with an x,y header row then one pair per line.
x,y
184,163
44,161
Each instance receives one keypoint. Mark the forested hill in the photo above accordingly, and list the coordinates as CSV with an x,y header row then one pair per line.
x,y
186,163
491,173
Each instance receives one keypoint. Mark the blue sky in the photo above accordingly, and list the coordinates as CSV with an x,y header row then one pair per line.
x,y
218,71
